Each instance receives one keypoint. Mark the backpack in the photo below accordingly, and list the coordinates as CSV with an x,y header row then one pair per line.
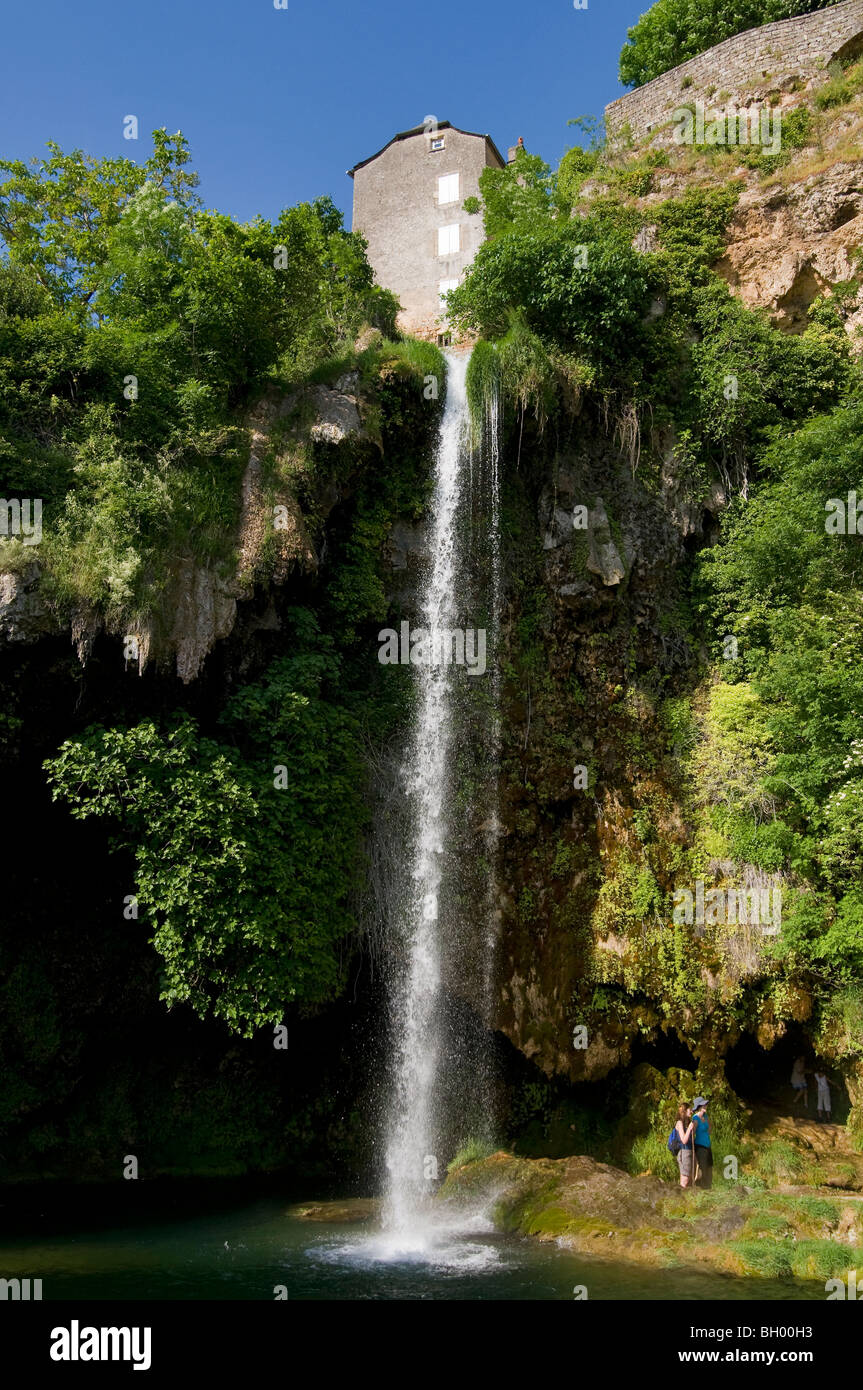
x,y
674,1144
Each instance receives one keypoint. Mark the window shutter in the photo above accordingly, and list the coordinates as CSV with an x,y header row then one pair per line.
x,y
448,239
447,189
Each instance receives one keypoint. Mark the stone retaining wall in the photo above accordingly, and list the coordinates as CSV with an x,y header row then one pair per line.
x,y
771,58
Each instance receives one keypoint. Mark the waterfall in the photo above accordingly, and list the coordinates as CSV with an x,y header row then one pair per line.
x,y
424,932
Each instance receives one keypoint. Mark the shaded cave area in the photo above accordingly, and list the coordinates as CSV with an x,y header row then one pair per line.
x,y
554,1118
761,1077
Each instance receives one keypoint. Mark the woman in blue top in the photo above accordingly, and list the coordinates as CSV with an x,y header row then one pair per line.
x,y
703,1151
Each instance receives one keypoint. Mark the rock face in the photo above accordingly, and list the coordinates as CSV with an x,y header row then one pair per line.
x,y
406,542
605,581
794,235
788,245
272,541
272,532
796,232
826,1154
787,242
279,521
603,558
205,610
562,523
337,416
23,615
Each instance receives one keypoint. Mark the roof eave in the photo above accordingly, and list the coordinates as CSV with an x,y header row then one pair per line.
x,y
419,130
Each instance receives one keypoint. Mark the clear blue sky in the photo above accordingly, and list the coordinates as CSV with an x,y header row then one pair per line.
x,y
277,104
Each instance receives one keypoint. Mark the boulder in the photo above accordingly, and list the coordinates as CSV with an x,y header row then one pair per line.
x,y
337,416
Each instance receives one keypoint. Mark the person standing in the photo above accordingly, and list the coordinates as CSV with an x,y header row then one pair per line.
x,y
799,1084
703,1150
822,1102
686,1153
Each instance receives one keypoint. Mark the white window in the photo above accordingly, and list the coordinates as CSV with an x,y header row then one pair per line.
x,y
438,142
447,189
445,287
448,239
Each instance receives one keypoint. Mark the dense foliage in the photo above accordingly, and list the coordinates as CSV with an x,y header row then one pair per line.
x,y
242,821
789,590
656,334
245,846
134,330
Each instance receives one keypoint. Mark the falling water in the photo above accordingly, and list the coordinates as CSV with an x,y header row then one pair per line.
x,y
412,1138
434,941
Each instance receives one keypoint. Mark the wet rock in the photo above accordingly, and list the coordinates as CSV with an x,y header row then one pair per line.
x,y
723,1226
348,384
576,594
205,610
585,1205
563,1199
404,543
604,560
353,1209
559,529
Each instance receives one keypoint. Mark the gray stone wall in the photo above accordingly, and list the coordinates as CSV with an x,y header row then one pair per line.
x,y
763,60
396,208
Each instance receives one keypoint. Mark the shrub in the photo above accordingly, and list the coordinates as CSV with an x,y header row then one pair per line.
x,y
470,1151
649,1154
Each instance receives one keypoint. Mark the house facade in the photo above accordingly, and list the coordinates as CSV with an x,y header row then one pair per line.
x,y
409,205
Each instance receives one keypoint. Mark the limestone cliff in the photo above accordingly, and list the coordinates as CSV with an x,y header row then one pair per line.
x,y
288,436
583,872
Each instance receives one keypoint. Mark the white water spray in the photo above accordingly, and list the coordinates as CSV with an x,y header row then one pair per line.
x,y
412,1137
433,936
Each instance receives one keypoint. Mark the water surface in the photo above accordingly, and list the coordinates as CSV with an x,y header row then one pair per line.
x,y
247,1250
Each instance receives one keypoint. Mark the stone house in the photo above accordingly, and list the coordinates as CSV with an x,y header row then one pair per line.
x,y
409,205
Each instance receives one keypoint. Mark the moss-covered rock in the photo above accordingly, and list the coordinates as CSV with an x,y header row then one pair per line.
x,y
599,1209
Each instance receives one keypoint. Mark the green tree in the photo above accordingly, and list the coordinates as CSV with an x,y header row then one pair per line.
x,y
577,284
246,884
135,328
518,196
56,214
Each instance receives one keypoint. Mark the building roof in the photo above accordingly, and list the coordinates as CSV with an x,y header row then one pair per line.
x,y
419,130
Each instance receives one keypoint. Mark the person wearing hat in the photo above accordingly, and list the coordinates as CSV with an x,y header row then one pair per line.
x,y
703,1151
